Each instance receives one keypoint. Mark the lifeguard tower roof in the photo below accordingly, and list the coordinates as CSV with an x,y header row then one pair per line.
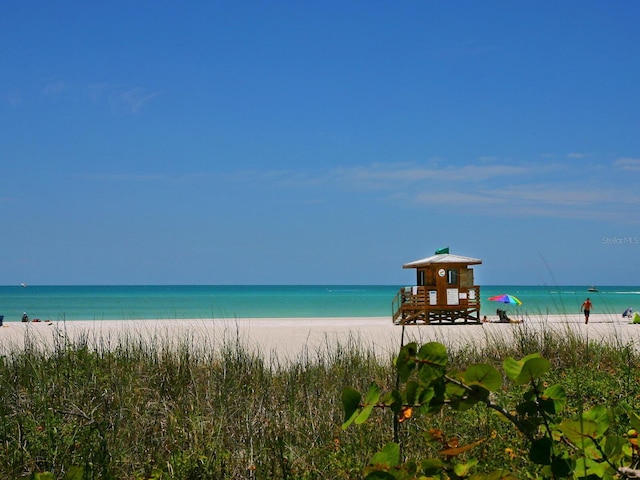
x,y
443,258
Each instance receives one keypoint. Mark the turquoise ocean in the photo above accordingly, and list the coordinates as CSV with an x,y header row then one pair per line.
x,y
263,301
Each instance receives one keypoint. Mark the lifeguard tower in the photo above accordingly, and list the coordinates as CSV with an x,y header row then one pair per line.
x,y
444,292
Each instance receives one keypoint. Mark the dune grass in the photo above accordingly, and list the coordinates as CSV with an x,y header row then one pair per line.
x,y
153,408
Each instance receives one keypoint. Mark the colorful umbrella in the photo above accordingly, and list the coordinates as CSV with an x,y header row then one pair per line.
x,y
506,298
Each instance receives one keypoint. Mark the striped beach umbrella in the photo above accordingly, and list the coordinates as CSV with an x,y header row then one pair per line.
x,y
506,298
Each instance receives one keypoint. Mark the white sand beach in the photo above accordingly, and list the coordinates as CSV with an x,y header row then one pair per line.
x,y
287,338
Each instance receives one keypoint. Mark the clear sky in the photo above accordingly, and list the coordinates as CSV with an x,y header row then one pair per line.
x,y
295,142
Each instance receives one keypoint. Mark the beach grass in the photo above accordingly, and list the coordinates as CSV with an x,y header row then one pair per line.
x,y
164,407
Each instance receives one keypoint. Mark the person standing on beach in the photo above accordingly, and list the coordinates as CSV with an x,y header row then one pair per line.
x,y
586,308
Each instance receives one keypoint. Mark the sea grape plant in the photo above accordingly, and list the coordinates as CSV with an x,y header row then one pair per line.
x,y
584,445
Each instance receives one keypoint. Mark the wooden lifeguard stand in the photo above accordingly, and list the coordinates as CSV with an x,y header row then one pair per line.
x,y
444,292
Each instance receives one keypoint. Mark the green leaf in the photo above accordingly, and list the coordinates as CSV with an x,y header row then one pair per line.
x,y
370,402
600,416
405,362
432,360
540,452
74,473
437,400
379,475
512,367
410,468
44,476
495,475
454,390
388,398
598,469
529,408
411,391
531,395
533,369
484,376
634,418
469,399
557,395
396,401
463,469
430,373
581,468
426,394
613,446
432,466
388,457
477,394
530,368
560,467
462,404
351,405
578,431
590,467
382,462
548,406
433,353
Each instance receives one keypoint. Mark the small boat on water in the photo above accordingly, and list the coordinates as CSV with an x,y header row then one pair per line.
x,y
593,289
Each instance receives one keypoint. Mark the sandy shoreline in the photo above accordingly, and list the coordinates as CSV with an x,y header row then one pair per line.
x,y
287,338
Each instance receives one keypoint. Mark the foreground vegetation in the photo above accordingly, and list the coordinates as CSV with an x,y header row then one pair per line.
x,y
149,409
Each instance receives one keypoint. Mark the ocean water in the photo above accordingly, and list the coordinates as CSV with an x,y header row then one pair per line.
x,y
264,301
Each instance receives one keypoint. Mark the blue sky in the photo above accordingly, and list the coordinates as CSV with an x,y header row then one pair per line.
x,y
318,142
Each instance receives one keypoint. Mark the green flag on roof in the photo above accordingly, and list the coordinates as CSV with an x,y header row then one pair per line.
x,y
440,251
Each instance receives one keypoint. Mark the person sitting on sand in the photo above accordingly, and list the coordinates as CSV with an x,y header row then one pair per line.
x,y
25,317
502,316
628,313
